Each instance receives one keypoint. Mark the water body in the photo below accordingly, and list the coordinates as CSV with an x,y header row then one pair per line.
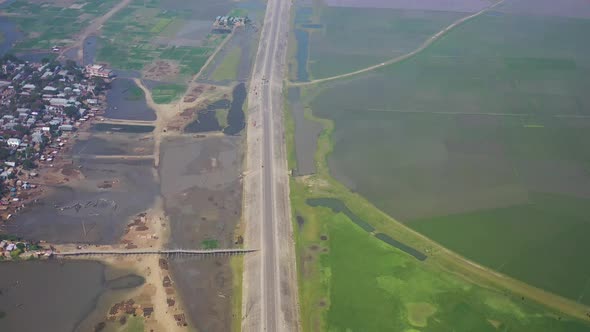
x,y
127,103
122,128
37,56
207,120
94,209
306,135
302,38
10,35
114,143
203,197
54,296
337,206
236,120
89,50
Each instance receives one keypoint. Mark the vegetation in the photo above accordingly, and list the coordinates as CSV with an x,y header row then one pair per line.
x,y
350,280
167,93
228,68
134,324
480,143
210,244
140,35
237,265
43,23
339,47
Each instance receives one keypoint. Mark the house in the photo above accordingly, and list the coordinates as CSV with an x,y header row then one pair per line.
x,y
29,86
66,127
98,71
13,142
58,102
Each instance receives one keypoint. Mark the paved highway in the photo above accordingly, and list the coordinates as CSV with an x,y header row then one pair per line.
x,y
270,285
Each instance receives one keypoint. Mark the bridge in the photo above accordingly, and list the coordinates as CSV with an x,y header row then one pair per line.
x,y
164,252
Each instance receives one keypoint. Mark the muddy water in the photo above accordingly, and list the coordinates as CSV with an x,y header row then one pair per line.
x,y
302,38
54,296
127,103
202,194
110,143
306,135
92,210
89,50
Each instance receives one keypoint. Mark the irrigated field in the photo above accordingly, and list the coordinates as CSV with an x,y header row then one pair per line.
x,y
352,281
146,32
48,24
481,142
347,39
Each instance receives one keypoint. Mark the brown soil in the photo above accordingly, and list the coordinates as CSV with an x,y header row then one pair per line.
x,y
161,70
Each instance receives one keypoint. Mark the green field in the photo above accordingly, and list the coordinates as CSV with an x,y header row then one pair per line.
x,y
46,25
143,33
481,142
354,38
351,281
228,69
167,93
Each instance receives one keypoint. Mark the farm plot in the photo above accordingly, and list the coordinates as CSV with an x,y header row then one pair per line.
x,y
480,142
147,32
49,24
355,38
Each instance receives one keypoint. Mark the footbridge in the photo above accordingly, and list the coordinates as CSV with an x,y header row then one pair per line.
x,y
163,252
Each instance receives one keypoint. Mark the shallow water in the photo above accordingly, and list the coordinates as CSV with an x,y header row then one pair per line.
x,y
125,105
53,295
10,35
302,37
306,135
337,206
83,212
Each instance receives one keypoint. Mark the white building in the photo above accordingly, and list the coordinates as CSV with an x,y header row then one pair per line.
x,y
14,142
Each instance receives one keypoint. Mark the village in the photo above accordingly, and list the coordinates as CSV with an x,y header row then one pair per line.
x,y
42,105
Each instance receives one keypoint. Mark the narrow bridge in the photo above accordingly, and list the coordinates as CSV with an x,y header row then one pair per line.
x,y
165,252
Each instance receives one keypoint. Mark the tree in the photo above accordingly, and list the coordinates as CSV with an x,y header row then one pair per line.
x,y
28,164
72,112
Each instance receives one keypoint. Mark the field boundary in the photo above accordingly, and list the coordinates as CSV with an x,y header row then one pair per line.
x,y
406,56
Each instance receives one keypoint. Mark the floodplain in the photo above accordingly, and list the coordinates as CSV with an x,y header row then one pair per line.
x,y
479,142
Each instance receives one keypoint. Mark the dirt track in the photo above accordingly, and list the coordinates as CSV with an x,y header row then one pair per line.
x,y
400,58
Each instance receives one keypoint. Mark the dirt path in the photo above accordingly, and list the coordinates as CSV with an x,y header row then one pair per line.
x,y
212,56
400,58
92,28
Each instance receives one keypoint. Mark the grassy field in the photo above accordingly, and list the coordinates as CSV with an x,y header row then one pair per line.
x,y
167,93
486,132
228,69
354,38
351,281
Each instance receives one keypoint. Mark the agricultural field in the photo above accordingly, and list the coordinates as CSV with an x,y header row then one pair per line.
x,y
344,39
146,32
352,281
480,142
228,68
50,23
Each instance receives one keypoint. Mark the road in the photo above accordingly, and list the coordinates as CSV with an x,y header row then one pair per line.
x,y
270,284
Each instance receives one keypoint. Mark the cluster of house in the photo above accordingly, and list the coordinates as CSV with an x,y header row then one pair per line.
x,y
228,22
11,249
39,105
